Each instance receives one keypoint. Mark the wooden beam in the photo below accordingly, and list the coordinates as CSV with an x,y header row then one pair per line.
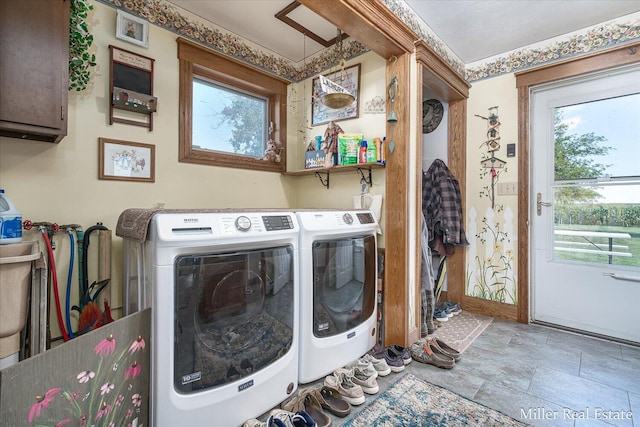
x,y
397,230
368,21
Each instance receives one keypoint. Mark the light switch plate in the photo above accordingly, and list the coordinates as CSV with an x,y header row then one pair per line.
x,y
507,188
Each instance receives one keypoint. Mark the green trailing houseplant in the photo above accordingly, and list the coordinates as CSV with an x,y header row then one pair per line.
x,y
80,40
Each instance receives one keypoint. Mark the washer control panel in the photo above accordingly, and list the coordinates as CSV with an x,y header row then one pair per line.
x,y
277,222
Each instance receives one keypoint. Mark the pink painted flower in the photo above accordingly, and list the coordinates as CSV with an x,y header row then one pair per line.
x,y
85,376
104,410
42,402
106,346
129,413
106,388
82,421
136,399
133,370
119,400
137,345
63,422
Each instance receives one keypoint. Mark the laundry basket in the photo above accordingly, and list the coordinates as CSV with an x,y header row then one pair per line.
x,y
15,278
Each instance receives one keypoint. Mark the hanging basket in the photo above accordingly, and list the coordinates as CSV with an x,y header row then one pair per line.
x,y
335,96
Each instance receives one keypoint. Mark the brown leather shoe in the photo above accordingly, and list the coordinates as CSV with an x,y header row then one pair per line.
x,y
440,346
423,353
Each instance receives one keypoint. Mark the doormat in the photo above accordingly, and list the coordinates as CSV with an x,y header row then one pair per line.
x,y
462,329
413,402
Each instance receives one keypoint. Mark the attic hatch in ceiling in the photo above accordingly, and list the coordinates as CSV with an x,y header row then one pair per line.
x,y
303,20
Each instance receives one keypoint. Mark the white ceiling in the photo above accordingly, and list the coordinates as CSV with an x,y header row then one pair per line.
x,y
472,29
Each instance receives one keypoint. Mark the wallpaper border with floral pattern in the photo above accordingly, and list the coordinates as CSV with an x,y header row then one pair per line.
x,y
169,17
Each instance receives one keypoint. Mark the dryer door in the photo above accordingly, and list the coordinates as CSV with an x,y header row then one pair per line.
x,y
344,283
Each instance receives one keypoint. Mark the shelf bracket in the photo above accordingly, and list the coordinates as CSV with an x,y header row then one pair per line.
x,y
368,181
324,182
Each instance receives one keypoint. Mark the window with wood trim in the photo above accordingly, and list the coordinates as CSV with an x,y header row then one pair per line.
x,y
229,111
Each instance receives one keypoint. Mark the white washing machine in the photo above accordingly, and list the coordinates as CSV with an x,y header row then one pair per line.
x,y
338,277
223,289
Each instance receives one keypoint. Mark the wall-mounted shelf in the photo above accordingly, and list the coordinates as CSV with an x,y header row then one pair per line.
x,y
323,174
131,87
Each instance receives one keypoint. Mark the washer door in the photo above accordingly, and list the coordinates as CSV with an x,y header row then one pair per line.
x,y
234,315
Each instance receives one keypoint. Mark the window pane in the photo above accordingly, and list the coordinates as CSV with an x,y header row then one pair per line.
x,y
228,120
597,139
597,189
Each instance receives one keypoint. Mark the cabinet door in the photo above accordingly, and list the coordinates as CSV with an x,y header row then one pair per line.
x,y
34,64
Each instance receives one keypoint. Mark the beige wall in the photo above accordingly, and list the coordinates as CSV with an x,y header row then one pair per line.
x,y
59,183
495,253
309,192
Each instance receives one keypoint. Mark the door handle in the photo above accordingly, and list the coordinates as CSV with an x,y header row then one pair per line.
x,y
540,204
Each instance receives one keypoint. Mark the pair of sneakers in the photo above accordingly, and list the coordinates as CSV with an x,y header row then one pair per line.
x,y
282,418
352,385
394,355
447,309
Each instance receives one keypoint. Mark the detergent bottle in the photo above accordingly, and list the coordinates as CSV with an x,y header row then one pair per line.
x,y
10,221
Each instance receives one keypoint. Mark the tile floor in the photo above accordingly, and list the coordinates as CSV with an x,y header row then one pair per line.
x,y
541,376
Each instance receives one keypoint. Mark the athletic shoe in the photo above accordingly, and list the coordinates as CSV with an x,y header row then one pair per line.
x,y
402,352
365,366
453,307
440,315
359,377
282,418
349,391
445,309
395,363
380,365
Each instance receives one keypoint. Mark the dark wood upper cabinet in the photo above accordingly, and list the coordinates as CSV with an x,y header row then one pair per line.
x,y
34,69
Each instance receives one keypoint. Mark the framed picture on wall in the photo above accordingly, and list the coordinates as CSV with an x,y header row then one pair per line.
x,y
349,79
132,29
126,161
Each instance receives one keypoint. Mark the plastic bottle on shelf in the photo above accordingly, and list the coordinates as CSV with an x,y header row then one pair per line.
x,y
10,221
362,154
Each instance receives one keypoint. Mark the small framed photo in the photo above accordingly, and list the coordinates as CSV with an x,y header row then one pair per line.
x,y
132,29
126,161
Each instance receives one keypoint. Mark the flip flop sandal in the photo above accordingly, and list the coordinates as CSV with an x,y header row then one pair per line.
x,y
314,409
331,400
306,401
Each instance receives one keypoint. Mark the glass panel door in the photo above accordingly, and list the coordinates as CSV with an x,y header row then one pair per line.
x,y
585,199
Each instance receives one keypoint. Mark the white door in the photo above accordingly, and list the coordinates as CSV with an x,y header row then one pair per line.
x,y
585,199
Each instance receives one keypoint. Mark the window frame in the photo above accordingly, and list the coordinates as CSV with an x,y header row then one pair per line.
x,y
196,60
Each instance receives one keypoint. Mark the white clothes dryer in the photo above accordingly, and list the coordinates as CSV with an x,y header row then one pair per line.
x,y
338,279
223,291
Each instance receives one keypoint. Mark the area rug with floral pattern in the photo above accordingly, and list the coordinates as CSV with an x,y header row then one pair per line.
x,y
413,402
